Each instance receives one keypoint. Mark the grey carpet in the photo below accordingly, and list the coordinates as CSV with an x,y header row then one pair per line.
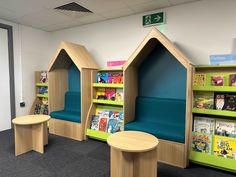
x,y
68,158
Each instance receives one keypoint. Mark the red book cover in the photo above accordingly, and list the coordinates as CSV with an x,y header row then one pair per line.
x,y
103,124
110,93
115,78
217,80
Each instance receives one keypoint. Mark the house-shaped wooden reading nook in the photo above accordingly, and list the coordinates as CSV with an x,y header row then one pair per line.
x,y
157,91
70,73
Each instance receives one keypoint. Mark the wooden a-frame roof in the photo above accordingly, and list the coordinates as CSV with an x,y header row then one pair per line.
x,y
67,53
149,43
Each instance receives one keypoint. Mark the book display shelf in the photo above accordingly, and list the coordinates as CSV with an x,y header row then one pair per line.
x,y
106,111
40,105
213,139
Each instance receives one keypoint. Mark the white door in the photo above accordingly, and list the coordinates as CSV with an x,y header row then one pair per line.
x,y
5,111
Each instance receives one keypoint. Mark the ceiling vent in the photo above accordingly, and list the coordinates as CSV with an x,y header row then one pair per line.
x,y
73,10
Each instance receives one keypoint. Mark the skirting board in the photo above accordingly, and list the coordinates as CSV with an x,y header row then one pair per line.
x,y
172,153
67,129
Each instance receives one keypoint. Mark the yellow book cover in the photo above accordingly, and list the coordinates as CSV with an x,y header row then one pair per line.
x,y
199,80
100,93
224,147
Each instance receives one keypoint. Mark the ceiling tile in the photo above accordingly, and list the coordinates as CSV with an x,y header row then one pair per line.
x,y
90,19
153,5
133,2
176,2
7,14
117,13
99,6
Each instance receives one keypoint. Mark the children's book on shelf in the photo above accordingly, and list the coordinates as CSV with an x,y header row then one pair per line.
x,y
201,142
232,80
225,128
103,124
224,147
102,77
119,96
230,102
203,100
217,80
43,77
111,125
110,93
199,80
100,93
95,122
219,101
42,90
204,125
115,77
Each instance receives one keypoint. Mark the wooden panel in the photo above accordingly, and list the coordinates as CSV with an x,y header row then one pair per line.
x,y
67,129
23,139
172,153
121,163
91,112
37,138
87,78
45,133
130,93
145,164
57,86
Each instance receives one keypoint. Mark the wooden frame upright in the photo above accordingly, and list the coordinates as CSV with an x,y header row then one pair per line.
x,y
169,152
68,53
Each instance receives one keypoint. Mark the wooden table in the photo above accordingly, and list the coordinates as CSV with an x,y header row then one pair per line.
x,y
133,154
30,133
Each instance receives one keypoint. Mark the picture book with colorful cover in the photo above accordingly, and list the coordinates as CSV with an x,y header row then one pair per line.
x,y
232,80
217,80
199,80
230,102
43,90
102,77
115,78
219,101
95,122
225,128
110,93
100,93
37,108
111,125
203,100
224,147
119,96
201,143
43,77
103,124
204,125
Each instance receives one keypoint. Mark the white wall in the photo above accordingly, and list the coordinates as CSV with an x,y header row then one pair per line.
x,y
199,29
31,53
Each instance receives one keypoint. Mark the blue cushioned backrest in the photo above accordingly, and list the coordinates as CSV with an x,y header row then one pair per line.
x,y
160,110
73,79
72,101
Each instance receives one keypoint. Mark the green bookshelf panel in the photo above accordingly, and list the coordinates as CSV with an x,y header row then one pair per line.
x,y
109,102
215,88
97,134
41,84
42,95
109,85
215,112
213,161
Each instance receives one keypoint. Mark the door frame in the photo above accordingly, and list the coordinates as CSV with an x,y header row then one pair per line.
x,y
11,68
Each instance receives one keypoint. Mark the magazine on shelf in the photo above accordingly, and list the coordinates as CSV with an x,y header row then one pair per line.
x,y
219,101
103,124
203,100
225,128
119,96
201,142
115,77
217,80
204,125
232,80
230,102
110,93
95,122
224,147
199,80
102,77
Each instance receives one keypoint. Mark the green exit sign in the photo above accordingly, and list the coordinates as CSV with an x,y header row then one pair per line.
x,y
154,19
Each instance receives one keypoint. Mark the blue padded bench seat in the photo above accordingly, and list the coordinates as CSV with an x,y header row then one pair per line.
x,y
71,110
161,117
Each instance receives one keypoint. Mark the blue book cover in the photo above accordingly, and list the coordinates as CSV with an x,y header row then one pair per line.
x,y
102,77
111,125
